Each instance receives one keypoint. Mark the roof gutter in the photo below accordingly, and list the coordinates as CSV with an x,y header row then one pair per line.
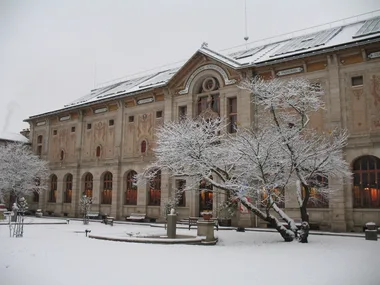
x,y
120,96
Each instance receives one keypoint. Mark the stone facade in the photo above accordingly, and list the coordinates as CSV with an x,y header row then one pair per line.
x,y
108,135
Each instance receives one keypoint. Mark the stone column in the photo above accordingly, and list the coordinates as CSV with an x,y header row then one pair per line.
x,y
115,194
336,204
59,200
117,185
335,109
77,181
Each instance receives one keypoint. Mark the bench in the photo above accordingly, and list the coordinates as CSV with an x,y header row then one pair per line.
x,y
108,220
93,215
136,217
193,222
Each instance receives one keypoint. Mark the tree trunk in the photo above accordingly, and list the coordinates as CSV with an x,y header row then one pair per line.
x,y
286,234
304,213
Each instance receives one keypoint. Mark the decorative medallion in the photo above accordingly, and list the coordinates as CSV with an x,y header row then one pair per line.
x,y
215,67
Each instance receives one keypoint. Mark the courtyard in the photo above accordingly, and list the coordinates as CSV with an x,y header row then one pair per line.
x,y
61,254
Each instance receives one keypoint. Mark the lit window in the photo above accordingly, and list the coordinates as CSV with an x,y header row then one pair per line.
x,y
366,188
155,190
107,188
131,189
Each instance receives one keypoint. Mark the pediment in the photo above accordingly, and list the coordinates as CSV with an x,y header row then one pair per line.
x,y
200,63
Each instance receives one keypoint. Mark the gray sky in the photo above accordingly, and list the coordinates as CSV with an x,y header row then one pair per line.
x,y
49,49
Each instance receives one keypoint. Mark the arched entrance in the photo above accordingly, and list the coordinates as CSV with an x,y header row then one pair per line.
x,y
205,196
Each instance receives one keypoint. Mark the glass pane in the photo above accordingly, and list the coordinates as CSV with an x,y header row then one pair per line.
x,y
371,163
357,164
372,179
364,163
356,179
365,179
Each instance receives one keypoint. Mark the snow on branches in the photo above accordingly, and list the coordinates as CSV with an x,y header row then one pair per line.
x,y
21,172
257,164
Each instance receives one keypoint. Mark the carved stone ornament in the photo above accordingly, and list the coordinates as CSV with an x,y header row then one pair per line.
x,y
215,67
358,93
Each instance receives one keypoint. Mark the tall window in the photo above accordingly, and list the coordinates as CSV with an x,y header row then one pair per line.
x,y
182,112
88,185
181,185
39,145
62,155
155,190
316,198
53,189
209,102
131,189
107,188
143,146
68,188
232,114
366,188
98,151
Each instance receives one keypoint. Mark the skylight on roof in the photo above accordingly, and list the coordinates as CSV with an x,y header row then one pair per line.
x,y
307,41
370,27
245,53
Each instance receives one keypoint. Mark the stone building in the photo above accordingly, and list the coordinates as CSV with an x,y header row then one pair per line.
x,y
96,144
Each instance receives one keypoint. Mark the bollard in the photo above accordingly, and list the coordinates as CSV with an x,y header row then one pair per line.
x,y
371,231
172,224
87,231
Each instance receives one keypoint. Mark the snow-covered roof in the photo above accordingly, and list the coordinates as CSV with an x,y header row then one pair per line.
x,y
253,54
263,52
14,137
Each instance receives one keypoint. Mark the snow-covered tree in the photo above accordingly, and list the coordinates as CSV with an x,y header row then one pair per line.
x,y
314,157
255,165
200,149
21,172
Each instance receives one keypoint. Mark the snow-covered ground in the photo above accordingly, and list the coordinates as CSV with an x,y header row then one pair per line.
x,y
61,254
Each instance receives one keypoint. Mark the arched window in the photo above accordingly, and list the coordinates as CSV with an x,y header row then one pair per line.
x,y
39,139
143,146
366,188
131,189
155,190
98,151
68,188
53,189
107,188
88,185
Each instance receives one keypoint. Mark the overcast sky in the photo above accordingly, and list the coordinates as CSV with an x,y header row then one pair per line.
x,y
49,49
